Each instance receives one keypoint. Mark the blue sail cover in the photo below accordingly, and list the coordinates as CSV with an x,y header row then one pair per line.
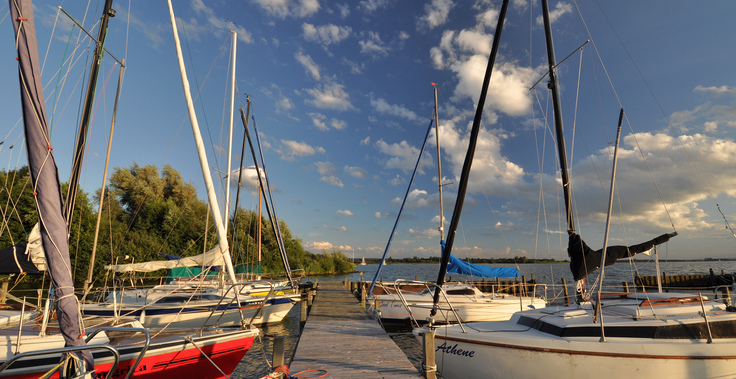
x,y
459,266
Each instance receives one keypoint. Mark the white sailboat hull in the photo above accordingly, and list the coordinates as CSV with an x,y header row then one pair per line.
x,y
511,358
565,342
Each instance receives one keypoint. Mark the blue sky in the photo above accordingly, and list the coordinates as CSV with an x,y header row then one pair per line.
x,y
342,96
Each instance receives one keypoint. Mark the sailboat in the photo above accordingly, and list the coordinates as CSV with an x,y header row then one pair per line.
x,y
362,262
614,336
197,303
459,302
111,351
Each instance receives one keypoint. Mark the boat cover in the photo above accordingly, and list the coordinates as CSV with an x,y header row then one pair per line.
x,y
459,266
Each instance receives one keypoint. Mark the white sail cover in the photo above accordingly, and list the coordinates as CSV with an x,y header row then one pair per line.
x,y
212,257
34,248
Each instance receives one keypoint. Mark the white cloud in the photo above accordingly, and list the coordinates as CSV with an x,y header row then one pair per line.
x,y
339,229
345,212
330,96
309,64
318,120
291,149
320,246
326,34
373,45
560,10
289,8
325,168
332,179
219,23
356,172
371,6
382,106
436,13
401,156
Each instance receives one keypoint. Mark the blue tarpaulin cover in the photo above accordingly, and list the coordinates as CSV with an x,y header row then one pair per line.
x,y
458,266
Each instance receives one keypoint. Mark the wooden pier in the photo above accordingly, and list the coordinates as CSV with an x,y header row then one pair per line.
x,y
342,339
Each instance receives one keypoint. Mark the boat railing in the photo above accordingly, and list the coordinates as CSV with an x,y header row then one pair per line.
x,y
89,337
228,302
428,285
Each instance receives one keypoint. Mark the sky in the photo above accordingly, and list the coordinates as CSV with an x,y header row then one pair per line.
x,y
342,96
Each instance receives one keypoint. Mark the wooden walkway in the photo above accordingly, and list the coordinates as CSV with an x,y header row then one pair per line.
x,y
341,338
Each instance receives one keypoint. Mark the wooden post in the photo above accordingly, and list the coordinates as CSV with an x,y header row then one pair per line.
x,y
626,286
40,298
310,296
377,306
303,314
564,289
523,284
4,289
362,296
278,351
345,283
430,367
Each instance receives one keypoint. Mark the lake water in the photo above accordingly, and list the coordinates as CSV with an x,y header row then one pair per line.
x,y
254,364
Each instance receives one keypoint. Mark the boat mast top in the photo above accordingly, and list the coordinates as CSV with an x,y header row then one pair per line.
x,y
439,164
552,85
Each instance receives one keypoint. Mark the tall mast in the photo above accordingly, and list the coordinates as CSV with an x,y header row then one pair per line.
x,y
204,165
561,150
439,164
230,135
71,194
465,174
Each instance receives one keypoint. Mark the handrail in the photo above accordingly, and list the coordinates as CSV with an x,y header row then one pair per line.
x,y
63,350
397,286
227,307
125,329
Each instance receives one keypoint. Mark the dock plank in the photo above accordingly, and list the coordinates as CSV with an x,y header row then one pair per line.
x,y
341,338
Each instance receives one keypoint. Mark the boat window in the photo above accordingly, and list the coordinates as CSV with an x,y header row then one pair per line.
x,y
464,291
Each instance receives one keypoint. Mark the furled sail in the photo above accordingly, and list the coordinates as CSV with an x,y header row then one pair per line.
x,y
459,266
584,260
45,177
25,257
213,257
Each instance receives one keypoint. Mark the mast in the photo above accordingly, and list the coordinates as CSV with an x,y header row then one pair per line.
x,y
204,165
45,179
71,195
439,164
230,135
465,174
271,215
240,178
88,280
552,85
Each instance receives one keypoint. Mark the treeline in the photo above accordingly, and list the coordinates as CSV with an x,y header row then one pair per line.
x,y
416,259
147,214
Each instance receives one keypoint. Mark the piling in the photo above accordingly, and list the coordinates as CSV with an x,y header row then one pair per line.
x,y
430,366
279,345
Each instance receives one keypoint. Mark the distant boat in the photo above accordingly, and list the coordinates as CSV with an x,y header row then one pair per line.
x,y
362,263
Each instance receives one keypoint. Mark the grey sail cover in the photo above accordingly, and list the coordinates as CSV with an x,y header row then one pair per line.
x,y
45,177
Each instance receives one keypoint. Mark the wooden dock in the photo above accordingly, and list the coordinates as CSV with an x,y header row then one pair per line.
x,y
341,338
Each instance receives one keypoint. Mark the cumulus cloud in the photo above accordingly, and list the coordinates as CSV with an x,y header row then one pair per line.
x,y
219,24
436,12
339,228
318,245
309,65
289,150
371,6
325,34
401,156
560,10
382,106
332,179
289,8
325,168
356,172
330,96
373,45
345,212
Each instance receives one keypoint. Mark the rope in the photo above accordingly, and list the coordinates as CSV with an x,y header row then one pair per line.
x,y
310,377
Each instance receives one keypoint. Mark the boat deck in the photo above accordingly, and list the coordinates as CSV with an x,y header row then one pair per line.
x,y
341,338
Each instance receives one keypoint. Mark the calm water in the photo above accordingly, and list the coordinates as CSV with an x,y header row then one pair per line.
x,y
254,364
